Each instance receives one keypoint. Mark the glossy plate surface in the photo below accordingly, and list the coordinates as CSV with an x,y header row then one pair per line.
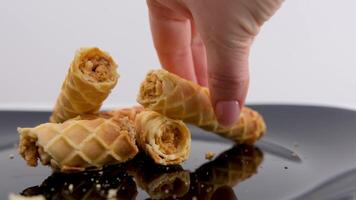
x,y
308,153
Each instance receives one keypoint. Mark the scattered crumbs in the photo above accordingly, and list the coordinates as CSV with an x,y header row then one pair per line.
x,y
52,189
112,193
98,186
202,185
209,155
70,187
285,167
123,188
167,168
166,191
101,172
194,198
174,196
92,179
84,190
11,156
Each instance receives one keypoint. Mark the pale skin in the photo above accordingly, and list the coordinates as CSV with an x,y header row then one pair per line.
x,y
208,42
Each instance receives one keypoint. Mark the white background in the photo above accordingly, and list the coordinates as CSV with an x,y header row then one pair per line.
x,y
304,54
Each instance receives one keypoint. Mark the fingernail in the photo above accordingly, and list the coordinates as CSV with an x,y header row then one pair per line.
x,y
227,112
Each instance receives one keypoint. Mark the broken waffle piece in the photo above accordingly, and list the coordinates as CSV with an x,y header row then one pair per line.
x,y
90,79
165,140
79,144
209,155
181,99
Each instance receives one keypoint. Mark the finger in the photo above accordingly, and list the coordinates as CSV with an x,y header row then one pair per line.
x,y
227,49
228,78
172,38
199,57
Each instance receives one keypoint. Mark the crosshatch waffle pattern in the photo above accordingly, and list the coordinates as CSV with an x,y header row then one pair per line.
x,y
79,95
187,101
79,144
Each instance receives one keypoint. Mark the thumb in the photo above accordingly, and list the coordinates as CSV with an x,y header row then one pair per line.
x,y
228,78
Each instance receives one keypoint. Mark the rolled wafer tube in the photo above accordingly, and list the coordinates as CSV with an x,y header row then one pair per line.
x,y
165,140
79,144
131,112
178,98
91,76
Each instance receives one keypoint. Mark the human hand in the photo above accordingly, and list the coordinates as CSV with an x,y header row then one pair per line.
x,y
208,42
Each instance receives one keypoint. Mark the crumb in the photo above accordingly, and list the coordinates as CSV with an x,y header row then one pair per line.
x,y
11,156
98,186
112,193
194,198
166,191
209,155
70,187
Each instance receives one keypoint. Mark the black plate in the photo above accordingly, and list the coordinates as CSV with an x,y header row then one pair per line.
x,y
308,153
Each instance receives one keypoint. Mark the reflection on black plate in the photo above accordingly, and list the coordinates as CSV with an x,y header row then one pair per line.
x,y
212,180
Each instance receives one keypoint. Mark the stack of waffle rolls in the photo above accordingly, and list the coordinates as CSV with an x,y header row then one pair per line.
x,y
94,140
90,79
181,99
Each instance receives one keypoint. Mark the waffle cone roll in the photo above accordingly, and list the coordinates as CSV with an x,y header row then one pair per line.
x,y
178,98
79,144
165,140
130,113
89,81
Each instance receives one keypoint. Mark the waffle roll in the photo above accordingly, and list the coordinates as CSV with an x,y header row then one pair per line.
x,y
90,79
165,140
181,99
78,144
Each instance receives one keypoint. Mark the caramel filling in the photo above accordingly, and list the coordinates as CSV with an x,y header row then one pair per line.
x,y
170,139
97,69
151,88
28,149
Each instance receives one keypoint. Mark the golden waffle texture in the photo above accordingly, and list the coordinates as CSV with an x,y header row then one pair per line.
x,y
81,92
178,98
79,144
165,140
